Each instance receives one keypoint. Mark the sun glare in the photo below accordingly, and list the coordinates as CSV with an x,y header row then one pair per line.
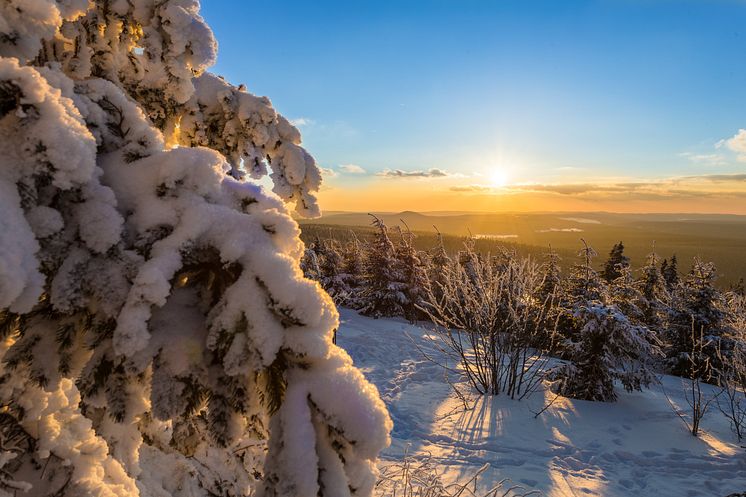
x,y
498,177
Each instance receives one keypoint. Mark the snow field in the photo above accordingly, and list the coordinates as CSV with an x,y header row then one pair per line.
x,y
636,446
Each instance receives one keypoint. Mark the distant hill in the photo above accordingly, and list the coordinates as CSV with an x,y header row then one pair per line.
x,y
718,238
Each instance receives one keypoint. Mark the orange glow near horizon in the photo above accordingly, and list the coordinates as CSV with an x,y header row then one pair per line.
x,y
500,196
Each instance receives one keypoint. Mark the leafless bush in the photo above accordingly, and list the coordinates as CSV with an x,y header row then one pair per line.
x,y
732,402
419,477
486,317
699,402
733,376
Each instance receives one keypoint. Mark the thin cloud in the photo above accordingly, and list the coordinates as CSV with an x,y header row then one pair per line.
x,y
471,188
398,173
302,121
685,187
351,169
706,159
575,188
720,178
737,144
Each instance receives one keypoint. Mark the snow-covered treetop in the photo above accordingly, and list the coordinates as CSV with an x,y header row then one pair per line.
x,y
158,51
151,298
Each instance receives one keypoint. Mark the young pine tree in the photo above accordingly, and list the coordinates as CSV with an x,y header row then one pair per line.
x,y
551,282
353,268
585,284
609,347
653,294
556,315
670,273
413,266
623,293
383,295
615,264
438,267
697,329
158,336
309,264
332,277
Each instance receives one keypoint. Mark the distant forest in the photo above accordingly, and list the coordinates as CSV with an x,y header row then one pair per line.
x,y
731,269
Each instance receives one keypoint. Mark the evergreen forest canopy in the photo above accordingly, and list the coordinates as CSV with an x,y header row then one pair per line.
x,y
618,323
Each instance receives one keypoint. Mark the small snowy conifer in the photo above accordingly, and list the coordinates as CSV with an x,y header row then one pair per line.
x,y
413,268
697,325
653,293
670,272
616,262
585,284
609,347
383,295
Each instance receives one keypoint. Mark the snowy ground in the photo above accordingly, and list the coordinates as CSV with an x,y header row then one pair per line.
x,y
634,447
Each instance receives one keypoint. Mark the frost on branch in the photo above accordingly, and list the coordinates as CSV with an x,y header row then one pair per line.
x,y
247,130
158,336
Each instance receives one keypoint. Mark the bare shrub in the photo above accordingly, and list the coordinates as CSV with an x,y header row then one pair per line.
x,y
732,403
698,401
419,477
486,317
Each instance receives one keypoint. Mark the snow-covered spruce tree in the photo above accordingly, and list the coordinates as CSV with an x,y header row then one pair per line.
x,y
413,266
653,294
616,262
670,273
383,292
158,336
609,347
624,293
584,286
438,267
697,327
332,277
584,283
552,298
353,268
551,279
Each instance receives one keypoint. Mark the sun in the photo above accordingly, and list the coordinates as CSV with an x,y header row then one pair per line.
x,y
498,177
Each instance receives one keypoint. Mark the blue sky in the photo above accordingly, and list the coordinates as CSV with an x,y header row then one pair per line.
x,y
543,91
